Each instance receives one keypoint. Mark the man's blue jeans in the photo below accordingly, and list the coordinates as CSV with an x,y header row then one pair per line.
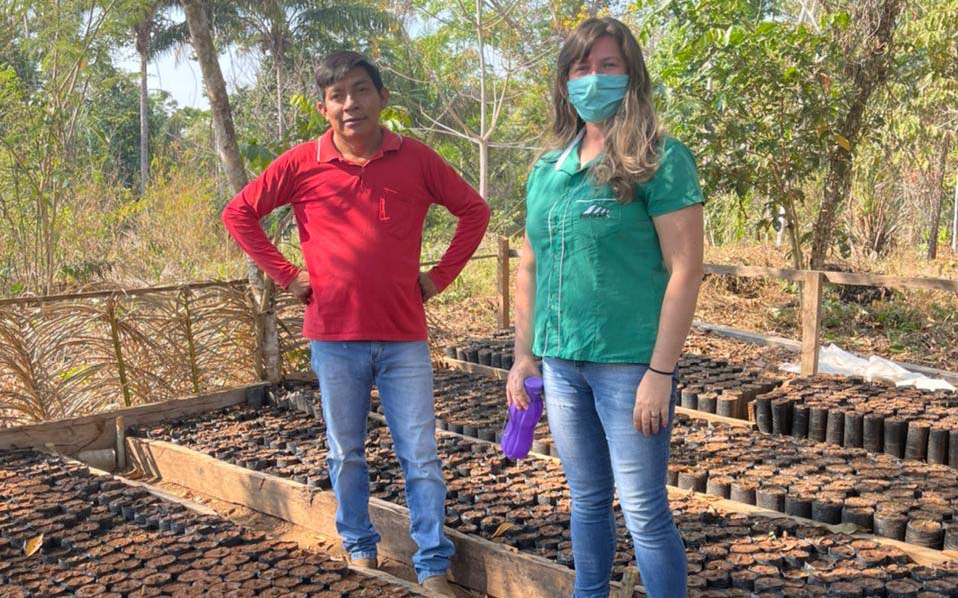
x,y
402,372
590,413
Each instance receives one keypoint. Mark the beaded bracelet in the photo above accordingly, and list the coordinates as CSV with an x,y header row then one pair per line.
x,y
660,372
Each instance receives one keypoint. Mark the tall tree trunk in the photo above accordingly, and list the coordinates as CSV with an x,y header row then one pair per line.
x,y
483,107
954,221
939,200
780,233
484,168
143,31
866,75
144,118
790,215
278,58
201,37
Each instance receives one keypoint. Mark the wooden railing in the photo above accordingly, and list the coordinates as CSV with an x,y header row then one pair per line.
x,y
113,293
813,282
80,353
862,279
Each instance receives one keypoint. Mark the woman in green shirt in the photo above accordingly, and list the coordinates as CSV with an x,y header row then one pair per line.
x,y
608,279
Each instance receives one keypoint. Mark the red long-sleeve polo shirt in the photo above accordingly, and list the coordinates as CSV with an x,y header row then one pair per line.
x,y
360,228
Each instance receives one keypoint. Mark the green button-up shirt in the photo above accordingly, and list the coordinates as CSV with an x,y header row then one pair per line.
x,y
600,278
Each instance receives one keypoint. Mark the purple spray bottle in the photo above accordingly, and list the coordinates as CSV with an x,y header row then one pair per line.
x,y
521,427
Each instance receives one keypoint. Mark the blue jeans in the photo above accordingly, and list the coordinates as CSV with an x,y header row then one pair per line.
x,y
589,406
402,372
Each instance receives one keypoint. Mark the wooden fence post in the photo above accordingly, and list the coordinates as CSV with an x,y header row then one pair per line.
x,y
267,360
627,589
272,359
190,341
811,320
117,349
120,443
503,259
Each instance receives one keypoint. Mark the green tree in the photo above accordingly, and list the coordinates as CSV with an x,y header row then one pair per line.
x,y
278,27
924,93
155,33
45,94
750,92
775,95
867,54
475,77
110,126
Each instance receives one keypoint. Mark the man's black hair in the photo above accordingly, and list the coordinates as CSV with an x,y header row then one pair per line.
x,y
335,66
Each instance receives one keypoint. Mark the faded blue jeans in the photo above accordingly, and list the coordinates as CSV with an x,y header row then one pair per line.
x,y
589,406
402,372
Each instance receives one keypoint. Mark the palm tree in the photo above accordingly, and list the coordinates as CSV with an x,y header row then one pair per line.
x,y
155,34
199,21
275,27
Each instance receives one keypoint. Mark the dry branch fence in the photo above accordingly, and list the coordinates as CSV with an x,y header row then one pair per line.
x,y
70,355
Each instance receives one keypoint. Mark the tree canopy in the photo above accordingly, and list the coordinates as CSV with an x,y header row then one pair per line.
x,y
828,125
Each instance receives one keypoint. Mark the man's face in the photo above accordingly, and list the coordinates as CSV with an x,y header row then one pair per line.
x,y
352,105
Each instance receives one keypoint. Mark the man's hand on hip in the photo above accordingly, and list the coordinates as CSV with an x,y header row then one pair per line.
x,y
427,287
300,288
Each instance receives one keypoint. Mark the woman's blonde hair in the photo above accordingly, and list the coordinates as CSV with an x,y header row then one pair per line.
x,y
631,141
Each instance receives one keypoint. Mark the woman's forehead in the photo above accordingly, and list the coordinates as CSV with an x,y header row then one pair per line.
x,y
601,47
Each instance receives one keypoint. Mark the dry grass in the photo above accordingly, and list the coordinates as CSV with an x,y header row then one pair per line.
x,y
910,325
42,373
468,308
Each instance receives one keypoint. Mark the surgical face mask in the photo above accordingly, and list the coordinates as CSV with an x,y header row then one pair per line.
x,y
597,97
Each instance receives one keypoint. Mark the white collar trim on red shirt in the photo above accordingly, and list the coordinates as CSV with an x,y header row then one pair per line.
x,y
319,144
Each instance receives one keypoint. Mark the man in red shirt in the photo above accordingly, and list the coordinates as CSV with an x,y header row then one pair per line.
x,y
360,196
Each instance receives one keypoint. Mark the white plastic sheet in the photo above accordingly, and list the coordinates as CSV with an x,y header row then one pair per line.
x,y
835,360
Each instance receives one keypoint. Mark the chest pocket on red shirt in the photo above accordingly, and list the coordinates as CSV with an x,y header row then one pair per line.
x,y
398,215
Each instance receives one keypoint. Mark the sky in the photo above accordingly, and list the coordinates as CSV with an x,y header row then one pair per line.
x,y
180,76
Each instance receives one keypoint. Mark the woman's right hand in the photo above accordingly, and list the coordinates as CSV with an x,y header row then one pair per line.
x,y
522,368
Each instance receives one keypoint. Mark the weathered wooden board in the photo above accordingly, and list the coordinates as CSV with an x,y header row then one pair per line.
x,y
891,282
715,419
749,337
863,279
479,565
40,300
92,432
475,368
